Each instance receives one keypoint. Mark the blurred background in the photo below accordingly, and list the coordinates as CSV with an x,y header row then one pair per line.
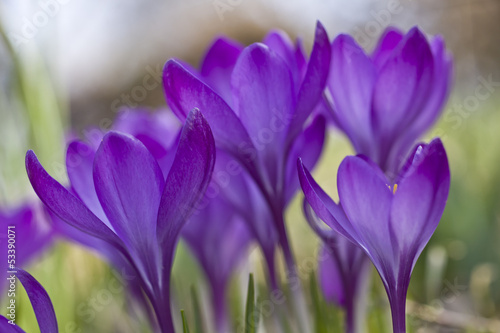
x,y
71,64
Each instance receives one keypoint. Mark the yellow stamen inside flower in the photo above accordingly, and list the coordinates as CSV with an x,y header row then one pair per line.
x,y
395,188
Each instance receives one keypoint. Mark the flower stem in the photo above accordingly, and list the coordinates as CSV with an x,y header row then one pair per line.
x,y
398,311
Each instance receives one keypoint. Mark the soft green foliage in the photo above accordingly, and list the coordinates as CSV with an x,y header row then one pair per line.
x,y
185,326
250,313
198,319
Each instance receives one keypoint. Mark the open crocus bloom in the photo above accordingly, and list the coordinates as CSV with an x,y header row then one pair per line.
x,y
391,221
40,300
131,206
385,101
257,100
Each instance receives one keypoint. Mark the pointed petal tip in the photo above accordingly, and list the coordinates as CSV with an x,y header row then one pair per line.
x,y
321,31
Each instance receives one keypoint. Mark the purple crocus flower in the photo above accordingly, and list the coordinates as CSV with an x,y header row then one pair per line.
x,y
391,221
28,227
257,100
40,300
219,238
138,212
343,269
385,101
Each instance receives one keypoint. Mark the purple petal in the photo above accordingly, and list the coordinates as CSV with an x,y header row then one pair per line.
x,y
264,99
64,204
280,43
263,93
158,131
33,231
218,65
5,327
185,92
420,198
300,58
308,146
79,164
324,207
188,178
218,238
402,89
366,200
351,82
129,184
330,277
40,300
442,83
314,81
386,45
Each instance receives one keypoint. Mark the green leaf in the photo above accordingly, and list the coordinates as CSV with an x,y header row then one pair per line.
x,y
319,318
250,313
198,319
185,327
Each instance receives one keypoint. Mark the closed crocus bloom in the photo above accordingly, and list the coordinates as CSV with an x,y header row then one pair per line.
x,y
135,209
385,101
391,221
257,101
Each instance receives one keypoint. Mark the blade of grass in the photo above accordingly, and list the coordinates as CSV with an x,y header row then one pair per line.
x,y
319,318
198,319
250,313
185,327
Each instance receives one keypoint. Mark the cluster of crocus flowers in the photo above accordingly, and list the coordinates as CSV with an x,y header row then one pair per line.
x,y
257,100
383,102
132,206
252,116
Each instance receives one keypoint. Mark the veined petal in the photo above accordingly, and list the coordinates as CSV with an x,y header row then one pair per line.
x,y
324,207
188,178
351,83
64,204
264,98
185,92
79,165
218,65
308,146
40,300
158,130
367,199
280,42
314,82
402,88
263,92
420,198
442,83
129,184
386,45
